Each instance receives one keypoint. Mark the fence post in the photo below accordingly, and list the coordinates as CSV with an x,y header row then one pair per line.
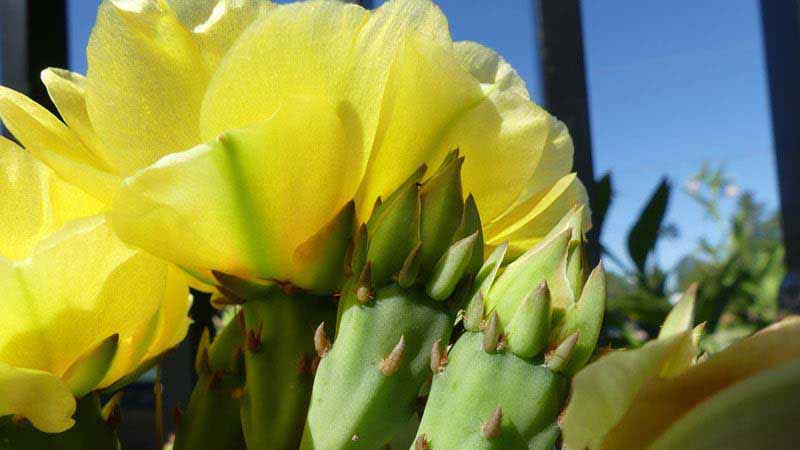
x,y
34,37
560,43
781,29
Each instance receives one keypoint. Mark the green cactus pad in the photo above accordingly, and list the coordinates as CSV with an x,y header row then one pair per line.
x,y
471,387
279,365
411,264
211,420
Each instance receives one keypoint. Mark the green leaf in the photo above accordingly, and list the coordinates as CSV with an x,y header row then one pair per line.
x,y
643,236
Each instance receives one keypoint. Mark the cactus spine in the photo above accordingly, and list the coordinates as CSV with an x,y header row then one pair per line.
x,y
407,266
211,420
527,331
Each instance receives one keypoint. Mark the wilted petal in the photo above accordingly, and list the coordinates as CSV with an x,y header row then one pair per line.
x,y
37,396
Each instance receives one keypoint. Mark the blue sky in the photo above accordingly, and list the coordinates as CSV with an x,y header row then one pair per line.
x,y
672,84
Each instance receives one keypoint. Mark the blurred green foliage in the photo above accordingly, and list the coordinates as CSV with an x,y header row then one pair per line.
x,y
738,277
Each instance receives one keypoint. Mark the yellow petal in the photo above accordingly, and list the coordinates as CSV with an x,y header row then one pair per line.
x,y
174,321
604,390
489,68
300,49
24,211
34,202
38,396
244,203
79,285
145,82
216,24
376,56
533,219
56,145
427,93
67,90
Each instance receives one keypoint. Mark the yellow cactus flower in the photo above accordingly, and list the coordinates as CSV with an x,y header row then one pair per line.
x,y
81,310
659,398
242,130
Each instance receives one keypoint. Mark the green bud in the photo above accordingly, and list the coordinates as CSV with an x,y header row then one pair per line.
x,y
442,203
451,268
529,329
394,233
88,371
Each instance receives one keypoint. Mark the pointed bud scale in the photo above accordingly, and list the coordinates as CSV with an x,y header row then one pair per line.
x,y
238,289
394,233
391,364
560,358
473,316
491,428
321,343
525,274
227,297
575,267
442,203
364,288
681,317
529,329
491,335
88,371
470,223
358,258
318,261
438,357
586,317
421,443
451,268
380,205
410,270
237,361
202,363
254,339
111,405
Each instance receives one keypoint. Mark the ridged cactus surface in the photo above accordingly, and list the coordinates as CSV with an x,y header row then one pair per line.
x,y
505,380
211,420
409,265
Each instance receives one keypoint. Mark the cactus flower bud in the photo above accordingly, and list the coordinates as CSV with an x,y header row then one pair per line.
x,y
527,331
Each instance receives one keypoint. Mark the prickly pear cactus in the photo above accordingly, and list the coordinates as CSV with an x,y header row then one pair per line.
x,y
409,264
505,380
279,358
211,420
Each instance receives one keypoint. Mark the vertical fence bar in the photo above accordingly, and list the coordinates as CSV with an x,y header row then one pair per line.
x,y
781,28
34,38
560,42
